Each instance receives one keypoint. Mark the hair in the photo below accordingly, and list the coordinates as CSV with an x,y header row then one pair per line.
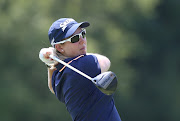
x,y
59,54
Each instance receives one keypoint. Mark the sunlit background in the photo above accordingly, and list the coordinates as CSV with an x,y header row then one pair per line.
x,y
140,37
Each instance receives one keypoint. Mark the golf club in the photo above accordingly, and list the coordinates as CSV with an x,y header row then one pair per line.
x,y
106,82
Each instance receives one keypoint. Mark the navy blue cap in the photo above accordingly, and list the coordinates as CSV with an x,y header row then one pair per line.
x,y
64,28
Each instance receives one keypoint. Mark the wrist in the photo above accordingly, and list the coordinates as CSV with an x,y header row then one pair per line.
x,y
48,66
51,65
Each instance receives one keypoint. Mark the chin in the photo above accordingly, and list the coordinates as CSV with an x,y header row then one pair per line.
x,y
83,53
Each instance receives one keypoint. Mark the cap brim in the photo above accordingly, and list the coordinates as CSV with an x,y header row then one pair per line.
x,y
74,28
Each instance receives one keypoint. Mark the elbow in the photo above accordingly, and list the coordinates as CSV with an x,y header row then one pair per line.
x,y
105,65
108,64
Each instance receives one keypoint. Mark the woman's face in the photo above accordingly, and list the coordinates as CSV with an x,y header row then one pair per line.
x,y
69,49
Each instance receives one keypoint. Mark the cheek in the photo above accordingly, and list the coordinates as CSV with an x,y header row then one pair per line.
x,y
71,50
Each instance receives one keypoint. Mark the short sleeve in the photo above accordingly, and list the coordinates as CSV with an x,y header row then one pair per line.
x,y
89,65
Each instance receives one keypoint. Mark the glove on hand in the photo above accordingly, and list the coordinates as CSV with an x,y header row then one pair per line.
x,y
44,56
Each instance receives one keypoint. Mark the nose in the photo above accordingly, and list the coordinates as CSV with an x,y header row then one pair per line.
x,y
82,40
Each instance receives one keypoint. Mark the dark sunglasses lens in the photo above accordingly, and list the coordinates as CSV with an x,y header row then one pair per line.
x,y
75,39
83,34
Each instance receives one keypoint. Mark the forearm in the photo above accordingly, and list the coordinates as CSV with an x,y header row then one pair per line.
x,y
104,62
50,72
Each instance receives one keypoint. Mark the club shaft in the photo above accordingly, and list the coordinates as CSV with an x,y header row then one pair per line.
x,y
71,67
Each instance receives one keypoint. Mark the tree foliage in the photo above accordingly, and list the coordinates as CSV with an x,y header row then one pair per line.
x,y
140,37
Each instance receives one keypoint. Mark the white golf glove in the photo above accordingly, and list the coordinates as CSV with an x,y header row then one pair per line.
x,y
44,56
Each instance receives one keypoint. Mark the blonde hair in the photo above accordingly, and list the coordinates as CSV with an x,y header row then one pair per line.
x,y
59,54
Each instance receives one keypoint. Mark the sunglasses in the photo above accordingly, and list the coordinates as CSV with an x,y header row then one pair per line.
x,y
75,38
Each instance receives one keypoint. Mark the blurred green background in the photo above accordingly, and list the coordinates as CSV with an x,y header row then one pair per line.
x,y
140,37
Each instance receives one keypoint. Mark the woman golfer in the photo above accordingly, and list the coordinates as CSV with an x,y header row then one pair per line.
x,y
83,100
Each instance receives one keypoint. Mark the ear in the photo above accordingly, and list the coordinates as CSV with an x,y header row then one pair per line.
x,y
59,48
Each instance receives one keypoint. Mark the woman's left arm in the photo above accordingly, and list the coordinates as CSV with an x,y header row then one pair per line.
x,y
104,62
50,73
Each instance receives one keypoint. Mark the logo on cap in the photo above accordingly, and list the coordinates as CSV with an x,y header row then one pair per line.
x,y
65,23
